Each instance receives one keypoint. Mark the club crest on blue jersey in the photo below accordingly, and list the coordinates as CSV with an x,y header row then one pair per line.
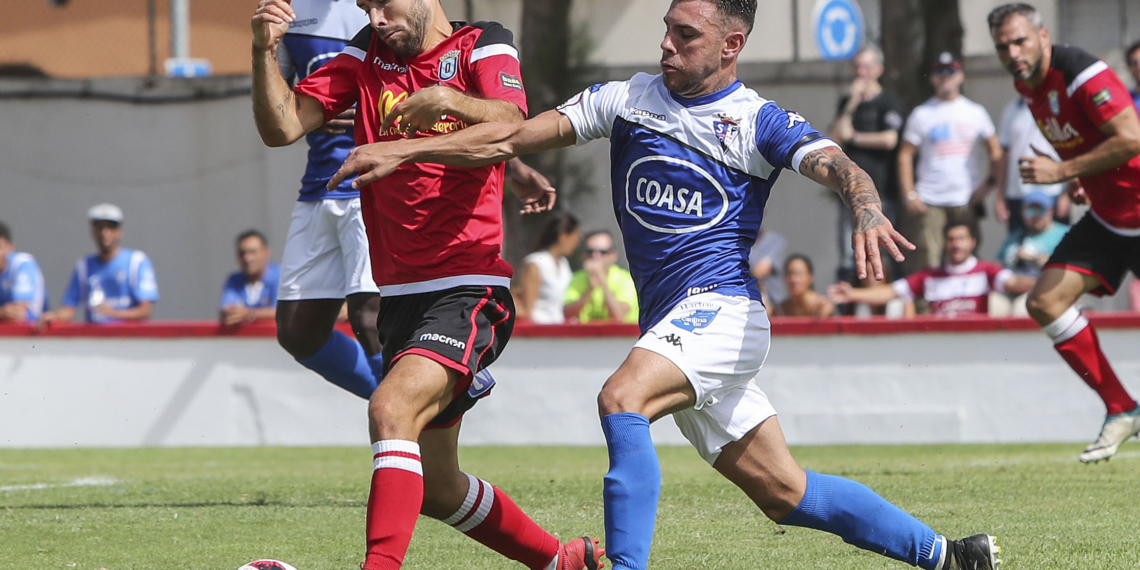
x,y
726,130
673,196
698,319
449,65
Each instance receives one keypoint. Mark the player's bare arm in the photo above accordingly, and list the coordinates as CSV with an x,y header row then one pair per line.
x,y
1122,145
422,110
281,115
477,145
878,294
905,166
833,169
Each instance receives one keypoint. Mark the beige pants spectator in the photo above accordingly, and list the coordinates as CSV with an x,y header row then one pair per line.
x,y
928,233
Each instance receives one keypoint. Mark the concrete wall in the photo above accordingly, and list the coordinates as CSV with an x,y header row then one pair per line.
x,y
1007,387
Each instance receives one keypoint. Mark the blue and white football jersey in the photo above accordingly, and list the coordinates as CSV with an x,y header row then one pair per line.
x,y
121,283
319,33
690,179
22,281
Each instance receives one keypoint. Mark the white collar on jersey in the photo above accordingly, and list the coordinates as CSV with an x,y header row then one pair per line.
x,y
964,267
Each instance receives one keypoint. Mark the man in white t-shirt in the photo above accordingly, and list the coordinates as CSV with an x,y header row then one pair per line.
x,y
941,188
1019,137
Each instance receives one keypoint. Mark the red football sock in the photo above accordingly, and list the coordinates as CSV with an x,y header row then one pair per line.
x,y
394,502
489,516
1082,352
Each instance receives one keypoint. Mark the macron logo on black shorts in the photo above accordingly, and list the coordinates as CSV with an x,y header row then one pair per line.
x,y
444,339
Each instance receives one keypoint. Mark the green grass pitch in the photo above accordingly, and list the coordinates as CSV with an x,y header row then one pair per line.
x,y
219,508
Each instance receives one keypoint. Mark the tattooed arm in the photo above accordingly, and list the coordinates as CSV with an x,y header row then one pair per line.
x,y
831,168
282,116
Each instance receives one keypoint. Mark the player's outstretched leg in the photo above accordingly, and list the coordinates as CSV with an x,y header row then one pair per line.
x,y
1051,305
305,330
486,514
762,466
630,490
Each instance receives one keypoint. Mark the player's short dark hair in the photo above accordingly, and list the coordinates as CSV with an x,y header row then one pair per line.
x,y
969,228
743,11
1131,49
559,224
999,15
251,233
5,233
801,257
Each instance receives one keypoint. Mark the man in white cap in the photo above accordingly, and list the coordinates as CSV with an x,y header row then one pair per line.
x,y
114,285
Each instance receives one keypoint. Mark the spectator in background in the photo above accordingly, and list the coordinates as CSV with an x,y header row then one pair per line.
x,y
867,124
1019,137
251,294
943,132
802,300
766,260
546,272
1026,250
114,285
1132,56
601,291
961,286
893,309
23,296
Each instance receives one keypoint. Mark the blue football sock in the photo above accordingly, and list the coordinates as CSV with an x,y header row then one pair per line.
x,y
343,362
631,489
862,518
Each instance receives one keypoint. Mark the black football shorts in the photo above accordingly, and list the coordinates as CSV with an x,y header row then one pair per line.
x,y
463,328
1092,249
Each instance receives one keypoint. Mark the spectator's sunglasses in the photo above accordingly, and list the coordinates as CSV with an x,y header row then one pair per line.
x,y
590,252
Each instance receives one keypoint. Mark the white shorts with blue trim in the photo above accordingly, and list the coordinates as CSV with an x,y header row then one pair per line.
x,y
326,252
719,342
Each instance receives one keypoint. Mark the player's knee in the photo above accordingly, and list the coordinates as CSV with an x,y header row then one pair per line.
x,y
391,419
617,398
297,343
1043,307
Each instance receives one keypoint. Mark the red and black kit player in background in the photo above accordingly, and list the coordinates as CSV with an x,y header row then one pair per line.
x,y
435,234
1084,109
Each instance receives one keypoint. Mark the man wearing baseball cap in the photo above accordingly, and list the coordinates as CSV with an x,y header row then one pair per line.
x,y
940,189
114,285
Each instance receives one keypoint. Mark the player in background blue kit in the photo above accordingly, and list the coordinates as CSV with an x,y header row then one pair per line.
x,y
325,261
694,155
23,296
114,285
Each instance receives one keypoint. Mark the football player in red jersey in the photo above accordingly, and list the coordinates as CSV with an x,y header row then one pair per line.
x,y
435,235
1086,112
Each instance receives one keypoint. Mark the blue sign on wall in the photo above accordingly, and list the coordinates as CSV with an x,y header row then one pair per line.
x,y
839,28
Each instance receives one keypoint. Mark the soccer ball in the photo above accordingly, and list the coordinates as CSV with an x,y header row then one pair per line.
x,y
267,565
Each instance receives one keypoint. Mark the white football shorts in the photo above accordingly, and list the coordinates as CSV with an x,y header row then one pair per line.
x,y
720,343
326,252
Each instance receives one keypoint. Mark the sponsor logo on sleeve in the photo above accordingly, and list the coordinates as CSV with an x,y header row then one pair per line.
x,y
510,81
596,87
449,65
1101,97
794,117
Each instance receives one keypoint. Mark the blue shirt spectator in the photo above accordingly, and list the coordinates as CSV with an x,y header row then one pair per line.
x,y
23,296
1027,249
114,285
250,294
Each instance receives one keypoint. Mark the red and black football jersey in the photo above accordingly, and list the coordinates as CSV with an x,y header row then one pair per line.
x,y
430,227
1080,93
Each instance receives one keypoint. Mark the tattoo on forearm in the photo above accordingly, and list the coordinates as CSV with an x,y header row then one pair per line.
x,y
284,104
853,184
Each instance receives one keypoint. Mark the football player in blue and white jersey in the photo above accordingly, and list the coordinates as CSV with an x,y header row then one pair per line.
x,y
694,155
23,295
325,261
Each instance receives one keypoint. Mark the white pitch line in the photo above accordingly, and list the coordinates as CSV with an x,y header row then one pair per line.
x,y
81,482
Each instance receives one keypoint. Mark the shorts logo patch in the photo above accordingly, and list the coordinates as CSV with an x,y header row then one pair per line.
x,y
1101,97
698,319
673,340
481,383
435,337
510,81
449,65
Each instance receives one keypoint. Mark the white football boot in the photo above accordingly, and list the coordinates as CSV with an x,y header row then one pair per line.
x,y
1117,428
